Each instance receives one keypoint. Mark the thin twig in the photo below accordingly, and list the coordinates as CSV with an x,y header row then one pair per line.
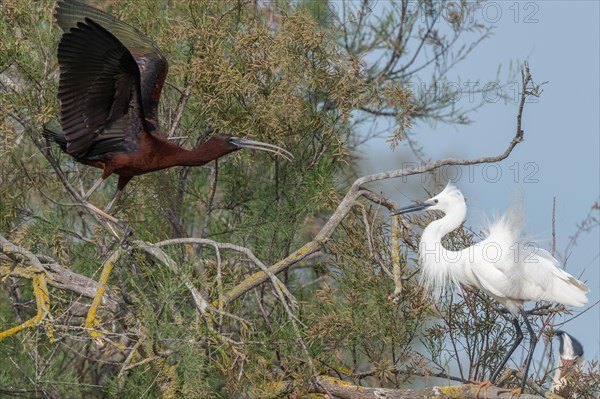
x,y
357,190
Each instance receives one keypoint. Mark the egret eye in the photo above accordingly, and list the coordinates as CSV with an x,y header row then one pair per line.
x,y
436,200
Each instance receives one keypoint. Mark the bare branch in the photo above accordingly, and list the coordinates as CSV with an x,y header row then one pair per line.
x,y
346,390
59,276
357,190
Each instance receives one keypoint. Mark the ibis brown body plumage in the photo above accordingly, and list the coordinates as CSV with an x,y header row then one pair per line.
x,y
111,78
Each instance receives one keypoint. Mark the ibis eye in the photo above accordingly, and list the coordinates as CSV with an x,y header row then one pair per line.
x,y
234,141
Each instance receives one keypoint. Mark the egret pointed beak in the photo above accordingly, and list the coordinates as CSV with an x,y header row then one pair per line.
x,y
414,208
409,209
259,145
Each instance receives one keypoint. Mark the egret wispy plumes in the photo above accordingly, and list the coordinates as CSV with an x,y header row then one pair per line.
x,y
502,265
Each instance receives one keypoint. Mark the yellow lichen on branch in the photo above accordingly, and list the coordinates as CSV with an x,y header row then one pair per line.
x,y
91,321
42,300
167,379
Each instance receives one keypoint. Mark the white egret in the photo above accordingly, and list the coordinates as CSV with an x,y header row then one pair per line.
x,y
502,265
570,358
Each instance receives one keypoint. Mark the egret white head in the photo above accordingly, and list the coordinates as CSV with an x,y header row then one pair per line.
x,y
449,201
441,268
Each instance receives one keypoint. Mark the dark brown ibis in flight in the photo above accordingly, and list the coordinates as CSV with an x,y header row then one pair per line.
x,y
111,77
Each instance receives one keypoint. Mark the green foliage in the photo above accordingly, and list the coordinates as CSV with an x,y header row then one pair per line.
x,y
293,75
356,325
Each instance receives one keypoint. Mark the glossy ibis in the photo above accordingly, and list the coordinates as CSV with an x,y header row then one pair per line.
x,y
111,77
502,266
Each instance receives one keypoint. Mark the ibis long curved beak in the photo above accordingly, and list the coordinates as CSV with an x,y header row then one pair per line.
x,y
259,145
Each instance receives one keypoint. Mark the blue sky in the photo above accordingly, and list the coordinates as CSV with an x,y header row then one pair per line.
x,y
560,156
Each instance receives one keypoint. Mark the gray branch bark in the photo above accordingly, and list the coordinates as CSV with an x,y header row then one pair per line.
x,y
345,390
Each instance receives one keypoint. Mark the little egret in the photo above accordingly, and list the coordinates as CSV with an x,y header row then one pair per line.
x,y
571,357
502,266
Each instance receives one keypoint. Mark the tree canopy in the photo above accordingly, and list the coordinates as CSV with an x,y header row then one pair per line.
x,y
249,277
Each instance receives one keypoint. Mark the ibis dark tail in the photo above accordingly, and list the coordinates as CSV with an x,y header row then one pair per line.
x,y
57,136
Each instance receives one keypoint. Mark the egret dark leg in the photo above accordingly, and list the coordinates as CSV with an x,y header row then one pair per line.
x,y
532,343
518,339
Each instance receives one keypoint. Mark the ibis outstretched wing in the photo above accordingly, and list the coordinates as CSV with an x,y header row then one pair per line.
x,y
110,84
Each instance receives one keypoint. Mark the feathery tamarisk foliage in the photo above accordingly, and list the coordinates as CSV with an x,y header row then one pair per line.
x,y
189,311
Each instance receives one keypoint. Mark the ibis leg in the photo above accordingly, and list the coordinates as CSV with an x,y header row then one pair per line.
x,y
123,180
93,208
113,200
89,193
532,343
517,341
101,212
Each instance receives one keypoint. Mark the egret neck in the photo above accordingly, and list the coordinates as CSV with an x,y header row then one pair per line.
x,y
441,266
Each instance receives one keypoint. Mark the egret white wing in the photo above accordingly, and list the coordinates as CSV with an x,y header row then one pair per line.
x,y
492,261
544,280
